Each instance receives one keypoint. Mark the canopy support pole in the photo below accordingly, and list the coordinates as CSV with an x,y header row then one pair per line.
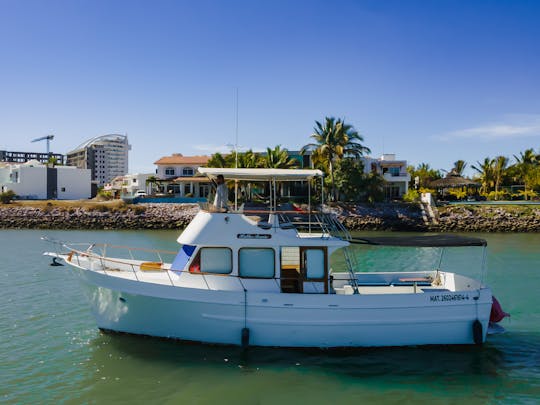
x,y
484,266
309,204
322,191
236,194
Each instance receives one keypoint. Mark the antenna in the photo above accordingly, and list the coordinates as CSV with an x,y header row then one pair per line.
x,y
47,138
236,153
236,131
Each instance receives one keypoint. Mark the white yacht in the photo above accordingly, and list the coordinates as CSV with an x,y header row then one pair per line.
x,y
262,277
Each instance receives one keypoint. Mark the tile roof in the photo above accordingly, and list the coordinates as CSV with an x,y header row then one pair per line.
x,y
179,159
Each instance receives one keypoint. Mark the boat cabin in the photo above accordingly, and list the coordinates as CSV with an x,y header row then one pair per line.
x,y
273,248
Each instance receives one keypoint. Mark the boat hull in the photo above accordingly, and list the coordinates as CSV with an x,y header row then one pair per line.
x,y
287,320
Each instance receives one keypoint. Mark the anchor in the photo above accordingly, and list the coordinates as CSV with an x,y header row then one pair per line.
x,y
55,263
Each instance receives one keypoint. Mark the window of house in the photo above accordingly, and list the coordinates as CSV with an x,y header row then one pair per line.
x,y
63,189
394,171
216,260
169,171
188,171
256,262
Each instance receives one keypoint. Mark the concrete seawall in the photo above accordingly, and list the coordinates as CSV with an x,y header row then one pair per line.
x,y
391,217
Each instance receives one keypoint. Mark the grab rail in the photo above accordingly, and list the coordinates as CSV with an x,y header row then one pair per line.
x,y
76,256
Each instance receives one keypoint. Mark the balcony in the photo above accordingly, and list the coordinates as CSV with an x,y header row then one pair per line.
x,y
397,177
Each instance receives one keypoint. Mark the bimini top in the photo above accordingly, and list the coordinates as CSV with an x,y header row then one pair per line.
x,y
261,174
443,240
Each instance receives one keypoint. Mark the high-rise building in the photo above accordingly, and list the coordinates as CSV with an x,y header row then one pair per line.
x,y
106,156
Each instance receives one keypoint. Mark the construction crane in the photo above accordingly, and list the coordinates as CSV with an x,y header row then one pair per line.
x,y
47,138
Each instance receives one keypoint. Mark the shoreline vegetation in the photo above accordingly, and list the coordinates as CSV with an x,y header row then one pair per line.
x,y
116,215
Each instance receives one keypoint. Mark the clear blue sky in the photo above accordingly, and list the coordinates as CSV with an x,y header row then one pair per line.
x,y
432,81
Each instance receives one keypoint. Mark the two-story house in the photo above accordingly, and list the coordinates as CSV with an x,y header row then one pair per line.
x,y
177,175
393,171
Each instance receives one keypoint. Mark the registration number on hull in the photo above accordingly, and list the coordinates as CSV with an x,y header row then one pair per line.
x,y
448,297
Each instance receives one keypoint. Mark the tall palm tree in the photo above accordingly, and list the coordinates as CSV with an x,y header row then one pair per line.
x,y
528,157
333,140
248,159
526,167
425,174
152,182
218,160
278,158
459,167
485,173
500,165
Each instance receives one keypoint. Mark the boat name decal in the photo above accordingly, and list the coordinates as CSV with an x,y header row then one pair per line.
x,y
448,297
253,236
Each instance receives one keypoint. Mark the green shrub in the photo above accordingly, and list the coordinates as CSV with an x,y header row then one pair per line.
x,y
526,194
7,196
105,195
411,196
457,193
499,195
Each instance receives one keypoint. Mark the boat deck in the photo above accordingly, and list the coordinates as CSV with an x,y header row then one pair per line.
x,y
368,283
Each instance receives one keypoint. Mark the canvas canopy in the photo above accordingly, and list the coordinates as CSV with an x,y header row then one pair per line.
x,y
261,174
422,241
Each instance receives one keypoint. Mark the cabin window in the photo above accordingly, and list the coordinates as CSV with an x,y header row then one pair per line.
x,y
256,262
216,260
314,262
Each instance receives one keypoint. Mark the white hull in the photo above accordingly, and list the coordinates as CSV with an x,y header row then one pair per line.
x,y
288,320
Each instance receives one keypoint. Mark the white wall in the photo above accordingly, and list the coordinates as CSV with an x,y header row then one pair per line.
x,y
139,183
75,182
31,182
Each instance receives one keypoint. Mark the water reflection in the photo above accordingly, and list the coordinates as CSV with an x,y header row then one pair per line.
x,y
359,362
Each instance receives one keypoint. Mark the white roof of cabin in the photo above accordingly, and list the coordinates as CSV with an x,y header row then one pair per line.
x,y
261,174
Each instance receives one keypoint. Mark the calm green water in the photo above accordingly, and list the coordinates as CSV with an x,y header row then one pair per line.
x,y
51,351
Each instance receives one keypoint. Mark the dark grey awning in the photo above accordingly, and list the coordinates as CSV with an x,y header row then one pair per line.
x,y
444,240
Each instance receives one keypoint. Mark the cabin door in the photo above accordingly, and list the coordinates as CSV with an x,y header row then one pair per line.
x,y
291,276
314,269
304,270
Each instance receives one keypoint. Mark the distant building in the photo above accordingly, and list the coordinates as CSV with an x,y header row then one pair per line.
x,y
303,159
106,156
34,180
23,157
177,175
129,184
392,170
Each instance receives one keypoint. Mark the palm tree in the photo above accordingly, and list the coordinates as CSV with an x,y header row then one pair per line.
x,y
152,181
278,158
528,157
425,174
459,167
333,140
500,164
485,173
249,159
527,167
217,160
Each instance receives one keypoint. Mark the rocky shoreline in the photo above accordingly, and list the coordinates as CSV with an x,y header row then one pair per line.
x,y
378,217
464,218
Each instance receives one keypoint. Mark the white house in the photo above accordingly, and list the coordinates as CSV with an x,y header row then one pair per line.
x,y
129,184
34,180
393,171
178,175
